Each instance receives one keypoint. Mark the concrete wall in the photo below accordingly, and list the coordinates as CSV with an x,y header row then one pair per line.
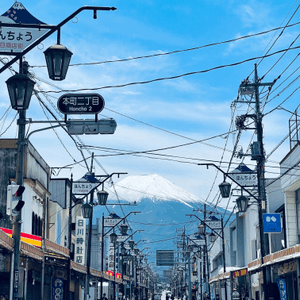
x,y
290,182
216,252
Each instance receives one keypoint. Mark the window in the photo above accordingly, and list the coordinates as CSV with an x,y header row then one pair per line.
x,y
254,249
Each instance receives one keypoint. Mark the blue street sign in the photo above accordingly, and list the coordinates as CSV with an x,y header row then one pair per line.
x,y
272,223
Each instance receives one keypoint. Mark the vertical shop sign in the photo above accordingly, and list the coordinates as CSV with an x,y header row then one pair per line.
x,y
80,230
282,288
57,289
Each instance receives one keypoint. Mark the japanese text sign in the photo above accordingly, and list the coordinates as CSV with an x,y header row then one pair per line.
x,y
80,103
80,230
83,187
110,222
17,39
272,223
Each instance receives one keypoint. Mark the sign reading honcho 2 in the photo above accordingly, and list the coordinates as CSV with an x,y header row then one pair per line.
x,y
70,104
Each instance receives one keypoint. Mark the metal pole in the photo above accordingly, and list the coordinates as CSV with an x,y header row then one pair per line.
x,y
102,256
189,275
88,259
201,279
69,241
206,264
224,262
114,271
89,250
43,245
16,234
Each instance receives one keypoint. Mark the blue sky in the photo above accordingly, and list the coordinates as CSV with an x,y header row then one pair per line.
x,y
178,111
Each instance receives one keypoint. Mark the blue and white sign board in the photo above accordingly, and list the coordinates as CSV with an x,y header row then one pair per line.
x,y
57,289
272,223
282,288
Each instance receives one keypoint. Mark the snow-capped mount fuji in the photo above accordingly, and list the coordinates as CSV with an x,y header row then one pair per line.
x,y
154,188
163,210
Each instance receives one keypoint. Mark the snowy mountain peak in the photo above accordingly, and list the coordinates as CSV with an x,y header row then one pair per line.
x,y
152,187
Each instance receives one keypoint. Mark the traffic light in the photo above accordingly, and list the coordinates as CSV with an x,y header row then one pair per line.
x,y
14,204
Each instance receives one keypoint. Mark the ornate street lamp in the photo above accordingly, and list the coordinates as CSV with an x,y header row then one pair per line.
x,y
145,260
212,237
86,210
123,228
113,237
58,59
190,248
201,229
225,189
131,243
123,250
20,88
242,203
102,197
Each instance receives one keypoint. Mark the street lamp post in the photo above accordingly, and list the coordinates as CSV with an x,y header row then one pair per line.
x,y
113,240
243,203
20,88
102,245
213,237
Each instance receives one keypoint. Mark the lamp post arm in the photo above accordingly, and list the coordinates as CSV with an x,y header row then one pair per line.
x,y
192,241
120,222
42,129
51,31
101,182
133,234
219,235
226,174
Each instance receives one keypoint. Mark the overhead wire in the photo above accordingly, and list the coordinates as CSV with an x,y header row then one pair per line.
x,y
178,51
171,77
9,124
280,34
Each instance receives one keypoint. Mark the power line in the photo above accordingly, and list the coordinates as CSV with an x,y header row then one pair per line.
x,y
173,77
177,51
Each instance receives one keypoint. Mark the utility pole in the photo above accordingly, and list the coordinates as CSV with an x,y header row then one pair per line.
x,y
259,156
205,263
261,178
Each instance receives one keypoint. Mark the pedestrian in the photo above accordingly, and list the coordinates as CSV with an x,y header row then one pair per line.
x,y
103,297
2,297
